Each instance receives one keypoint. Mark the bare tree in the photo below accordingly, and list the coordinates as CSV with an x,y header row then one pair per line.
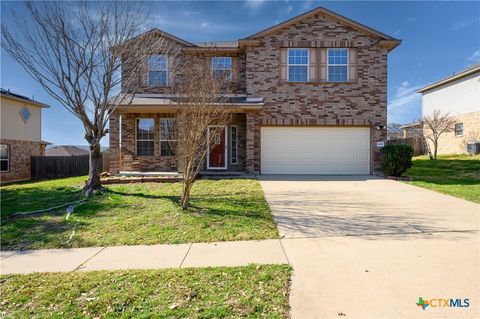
x,y
75,52
434,126
202,113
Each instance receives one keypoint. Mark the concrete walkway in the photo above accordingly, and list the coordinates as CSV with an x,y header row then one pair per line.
x,y
236,253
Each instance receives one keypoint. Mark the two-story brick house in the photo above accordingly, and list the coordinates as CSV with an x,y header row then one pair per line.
x,y
310,96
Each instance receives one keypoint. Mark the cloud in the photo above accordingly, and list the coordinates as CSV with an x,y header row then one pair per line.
x,y
254,5
189,13
475,57
288,9
405,106
410,20
307,4
465,23
405,94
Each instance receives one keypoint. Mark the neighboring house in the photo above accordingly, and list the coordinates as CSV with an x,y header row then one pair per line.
x,y
412,130
65,150
310,95
458,95
394,131
20,136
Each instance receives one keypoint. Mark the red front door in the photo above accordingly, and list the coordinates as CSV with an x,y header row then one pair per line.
x,y
216,156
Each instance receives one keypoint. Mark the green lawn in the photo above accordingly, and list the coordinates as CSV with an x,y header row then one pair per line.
x,y
132,214
456,175
237,292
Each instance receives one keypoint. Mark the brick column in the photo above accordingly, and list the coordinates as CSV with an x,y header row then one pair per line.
x,y
250,143
114,147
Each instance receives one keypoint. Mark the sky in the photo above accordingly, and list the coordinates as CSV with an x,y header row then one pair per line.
x,y
438,39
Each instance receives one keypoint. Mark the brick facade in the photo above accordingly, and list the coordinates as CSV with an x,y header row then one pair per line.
x,y
360,102
20,162
124,157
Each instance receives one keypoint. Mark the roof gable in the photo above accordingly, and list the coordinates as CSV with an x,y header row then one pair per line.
x,y
160,33
329,14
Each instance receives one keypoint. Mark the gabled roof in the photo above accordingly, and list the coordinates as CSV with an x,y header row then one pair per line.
x,y
66,150
335,16
163,34
465,72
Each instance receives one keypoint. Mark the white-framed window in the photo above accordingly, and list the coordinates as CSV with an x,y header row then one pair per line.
x,y
297,65
158,70
459,129
168,138
4,158
222,66
337,61
145,136
234,144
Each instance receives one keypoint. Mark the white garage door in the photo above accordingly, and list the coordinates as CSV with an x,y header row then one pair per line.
x,y
315,150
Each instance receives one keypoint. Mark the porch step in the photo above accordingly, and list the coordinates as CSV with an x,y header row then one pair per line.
x,y
147,174
223,174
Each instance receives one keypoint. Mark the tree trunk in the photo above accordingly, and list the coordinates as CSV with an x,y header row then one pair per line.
x,y
187,186
93,184
435,145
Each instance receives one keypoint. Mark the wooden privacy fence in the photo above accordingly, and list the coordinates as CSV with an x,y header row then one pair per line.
x,y
415,142
49,167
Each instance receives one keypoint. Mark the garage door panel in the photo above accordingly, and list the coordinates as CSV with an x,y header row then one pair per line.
x,y
287,150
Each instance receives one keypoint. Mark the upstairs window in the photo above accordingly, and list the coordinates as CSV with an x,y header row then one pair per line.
x,y
4,158
167,137
222,66
297,65
337,65
459,129
157,70
145,137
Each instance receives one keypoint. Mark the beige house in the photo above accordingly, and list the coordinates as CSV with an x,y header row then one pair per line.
x,y
20,135
458,95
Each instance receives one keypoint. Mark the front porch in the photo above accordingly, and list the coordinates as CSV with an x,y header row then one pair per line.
x,y
139,140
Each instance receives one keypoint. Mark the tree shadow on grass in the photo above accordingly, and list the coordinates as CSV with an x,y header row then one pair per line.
x,y
220,206
35,198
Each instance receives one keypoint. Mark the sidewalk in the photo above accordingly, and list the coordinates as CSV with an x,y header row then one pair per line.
x,y
236,253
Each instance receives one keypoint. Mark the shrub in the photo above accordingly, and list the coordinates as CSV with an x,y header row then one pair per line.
x,y
396,159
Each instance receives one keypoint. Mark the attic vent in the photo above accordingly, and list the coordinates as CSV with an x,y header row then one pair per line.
x,y
24,114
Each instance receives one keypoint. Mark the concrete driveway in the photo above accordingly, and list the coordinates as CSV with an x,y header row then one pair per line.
x,y
365,247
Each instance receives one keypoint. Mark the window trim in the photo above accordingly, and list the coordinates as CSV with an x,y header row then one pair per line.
x,y
166,70
136,136
347,65
160,136
7,160
232,162
222,69
307,65
455,129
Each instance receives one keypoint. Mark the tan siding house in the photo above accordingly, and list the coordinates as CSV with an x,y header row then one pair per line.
x,y
458,95
20,135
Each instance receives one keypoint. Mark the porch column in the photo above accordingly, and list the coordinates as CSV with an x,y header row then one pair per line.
x,y
250,142
114,139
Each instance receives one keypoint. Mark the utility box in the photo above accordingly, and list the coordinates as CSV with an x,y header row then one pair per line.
x,y
473,148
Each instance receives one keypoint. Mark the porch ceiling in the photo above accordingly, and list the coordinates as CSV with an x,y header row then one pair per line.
x,y
165,103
